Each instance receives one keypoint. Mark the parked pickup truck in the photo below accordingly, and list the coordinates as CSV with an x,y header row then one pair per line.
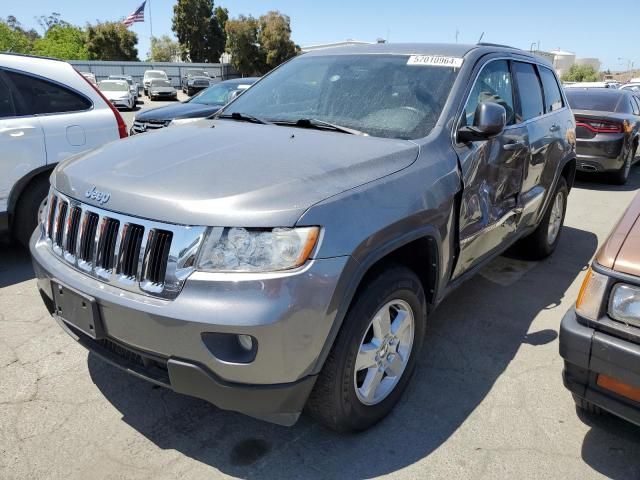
x,y
289,251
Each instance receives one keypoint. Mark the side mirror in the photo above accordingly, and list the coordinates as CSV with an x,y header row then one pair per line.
x,y
489,120
233,94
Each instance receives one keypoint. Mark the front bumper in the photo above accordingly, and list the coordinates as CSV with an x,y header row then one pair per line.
x,y
588,353
289,315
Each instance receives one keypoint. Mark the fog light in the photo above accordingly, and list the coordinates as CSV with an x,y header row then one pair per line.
x,y
246,342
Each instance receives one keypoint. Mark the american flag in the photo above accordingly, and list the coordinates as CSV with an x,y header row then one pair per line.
x,y
137,16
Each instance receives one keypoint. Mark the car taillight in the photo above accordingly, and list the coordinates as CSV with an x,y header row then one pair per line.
x,y
122,127
599,126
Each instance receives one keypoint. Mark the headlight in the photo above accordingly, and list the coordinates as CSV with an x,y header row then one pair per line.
x,y
591,293
183,121
624,304
250,250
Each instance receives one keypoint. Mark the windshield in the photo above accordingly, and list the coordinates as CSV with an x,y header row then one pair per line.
x,y
155,74
381,95
114,86
599,100
160,83
216,95
197,73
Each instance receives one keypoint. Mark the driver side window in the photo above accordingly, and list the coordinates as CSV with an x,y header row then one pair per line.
x,y
494,84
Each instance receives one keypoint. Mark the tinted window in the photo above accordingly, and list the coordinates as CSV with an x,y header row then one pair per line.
x,y
7,103
494,84
637,110
381,95
596,99
529,91
41,96
552,96
634,106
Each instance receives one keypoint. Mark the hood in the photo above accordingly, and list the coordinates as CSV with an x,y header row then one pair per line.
x,y
227,173
180,110
621,251
112,95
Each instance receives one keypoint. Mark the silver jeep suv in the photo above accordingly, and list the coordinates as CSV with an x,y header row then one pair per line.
x,y
287,252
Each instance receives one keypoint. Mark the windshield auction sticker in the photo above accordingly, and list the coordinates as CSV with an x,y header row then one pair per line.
x,y
435,61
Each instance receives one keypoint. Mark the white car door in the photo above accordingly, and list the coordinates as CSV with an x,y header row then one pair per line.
x,y
62,114
22,144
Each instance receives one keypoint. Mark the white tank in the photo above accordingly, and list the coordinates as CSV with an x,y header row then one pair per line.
x,y
563,61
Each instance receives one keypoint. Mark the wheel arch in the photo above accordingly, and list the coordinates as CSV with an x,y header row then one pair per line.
x,y
21,185
418,250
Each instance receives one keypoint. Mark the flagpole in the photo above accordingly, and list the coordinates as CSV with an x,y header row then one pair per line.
x,y
150,22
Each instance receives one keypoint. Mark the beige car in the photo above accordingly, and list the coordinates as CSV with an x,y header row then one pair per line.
x,y
600,337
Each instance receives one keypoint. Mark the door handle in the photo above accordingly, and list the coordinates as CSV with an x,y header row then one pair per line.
x,y
511,147
554,128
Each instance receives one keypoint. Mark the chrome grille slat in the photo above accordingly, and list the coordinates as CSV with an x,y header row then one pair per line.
x,y
134,254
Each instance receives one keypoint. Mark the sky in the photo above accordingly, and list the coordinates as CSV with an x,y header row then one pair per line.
x,y
583,27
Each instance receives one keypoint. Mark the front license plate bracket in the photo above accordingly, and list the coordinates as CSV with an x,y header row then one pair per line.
x,y
77,309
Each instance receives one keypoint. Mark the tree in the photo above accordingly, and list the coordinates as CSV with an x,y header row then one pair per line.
x,y
222,15
13,38
111,41
48,21
198,30
242,43
164,49
581,73
275,39
63,41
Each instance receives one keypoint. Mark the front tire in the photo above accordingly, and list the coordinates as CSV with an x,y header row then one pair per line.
x,y
374,354
545,238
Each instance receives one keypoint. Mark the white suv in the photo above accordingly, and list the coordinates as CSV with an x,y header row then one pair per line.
x,y
48,112
152,75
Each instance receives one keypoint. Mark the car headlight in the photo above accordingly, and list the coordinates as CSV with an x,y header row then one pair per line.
x,y
183,121
253,250
591,293
624,304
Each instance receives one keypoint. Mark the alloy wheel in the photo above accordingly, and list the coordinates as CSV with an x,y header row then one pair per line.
x,y
384,352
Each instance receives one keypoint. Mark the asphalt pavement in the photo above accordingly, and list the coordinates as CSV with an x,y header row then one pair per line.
x,y
486,401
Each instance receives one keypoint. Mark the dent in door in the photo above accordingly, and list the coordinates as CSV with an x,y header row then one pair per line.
x,y
492,178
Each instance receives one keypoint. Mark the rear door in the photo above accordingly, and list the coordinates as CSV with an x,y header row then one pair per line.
x,y
22,145
492,170
60,110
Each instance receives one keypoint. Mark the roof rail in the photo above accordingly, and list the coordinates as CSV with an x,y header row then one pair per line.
x,y
487,44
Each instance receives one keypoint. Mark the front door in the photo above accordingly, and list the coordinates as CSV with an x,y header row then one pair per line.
x,y
492,171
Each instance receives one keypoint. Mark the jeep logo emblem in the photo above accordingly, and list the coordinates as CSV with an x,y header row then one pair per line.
x,y
100,197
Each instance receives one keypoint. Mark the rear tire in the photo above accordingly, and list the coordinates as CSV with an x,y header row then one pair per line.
x,y
340,399
621,176
33,198
542,242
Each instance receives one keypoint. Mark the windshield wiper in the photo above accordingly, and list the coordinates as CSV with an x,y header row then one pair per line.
x,y
320,125
241,117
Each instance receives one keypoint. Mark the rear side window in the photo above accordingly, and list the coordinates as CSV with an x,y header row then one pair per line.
x,y
552,96
42,97
494,84
7,102
529,91
634,106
